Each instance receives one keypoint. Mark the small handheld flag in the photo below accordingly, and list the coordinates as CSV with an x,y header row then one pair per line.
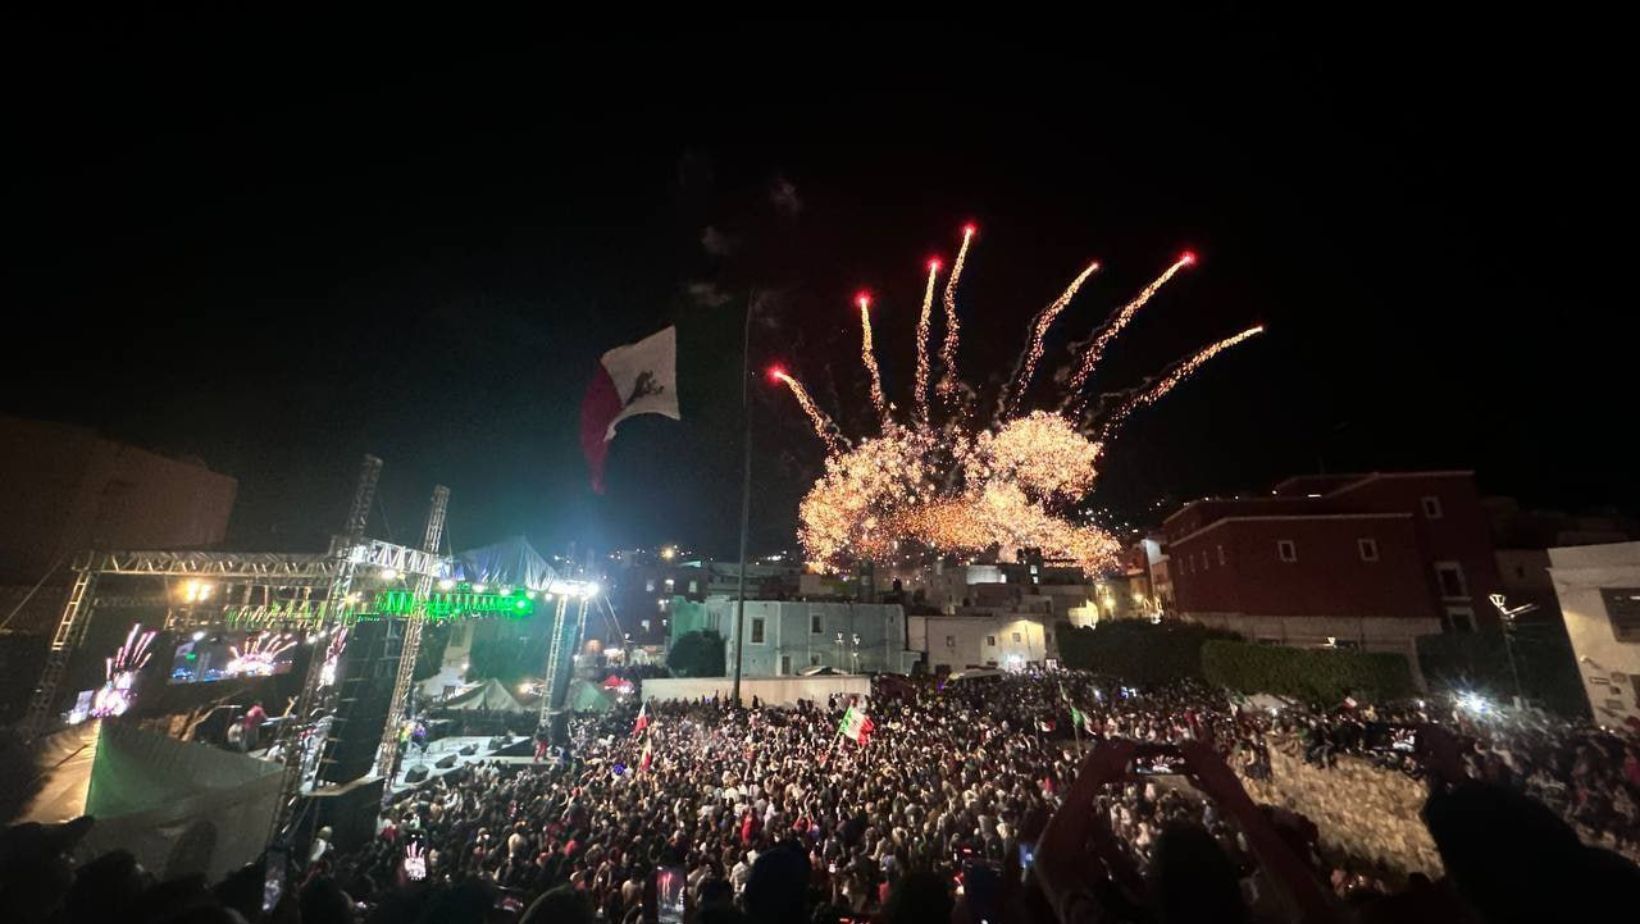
x,y
856,726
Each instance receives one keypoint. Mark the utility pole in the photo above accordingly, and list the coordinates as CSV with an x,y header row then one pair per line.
x,y
1509,613
745,486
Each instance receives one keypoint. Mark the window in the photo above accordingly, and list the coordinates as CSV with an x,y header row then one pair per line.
x,y
757,630
1458,619
644,623
990,641
1221,554
950,641
1520,572
1368,549
649,586
1432,507
1623,608
1206,562
1017,638
1450,576
814,624
1287,550
694,587
669,585
814,660
785,664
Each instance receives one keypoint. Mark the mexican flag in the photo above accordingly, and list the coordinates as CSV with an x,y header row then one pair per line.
x,y
643,720
856,726
648,755
639,378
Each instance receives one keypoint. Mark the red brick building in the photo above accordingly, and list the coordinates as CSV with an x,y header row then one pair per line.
x,y
1369,561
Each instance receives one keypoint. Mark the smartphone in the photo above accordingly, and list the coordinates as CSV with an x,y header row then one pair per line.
x,y
415,862
273,879
669,892
1027,856
1152,759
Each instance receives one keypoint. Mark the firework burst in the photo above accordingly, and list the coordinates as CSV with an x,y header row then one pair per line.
x,y
119,690
954,489
260,656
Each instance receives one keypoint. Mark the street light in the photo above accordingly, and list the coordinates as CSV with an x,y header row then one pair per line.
x,y
1509,613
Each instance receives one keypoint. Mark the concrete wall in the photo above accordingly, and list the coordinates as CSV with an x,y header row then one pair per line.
x,y
776,691
1610,667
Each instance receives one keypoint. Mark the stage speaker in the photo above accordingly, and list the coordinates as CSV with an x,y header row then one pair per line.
x,y
349,811
469,750
364,684
446,762
416,774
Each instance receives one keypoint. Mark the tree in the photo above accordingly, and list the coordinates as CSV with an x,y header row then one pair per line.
x,y
1136,649
697,654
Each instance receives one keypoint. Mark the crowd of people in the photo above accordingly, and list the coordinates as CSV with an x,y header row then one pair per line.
x,y
1055,797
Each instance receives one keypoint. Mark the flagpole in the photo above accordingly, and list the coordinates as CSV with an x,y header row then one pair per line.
x,y
745,486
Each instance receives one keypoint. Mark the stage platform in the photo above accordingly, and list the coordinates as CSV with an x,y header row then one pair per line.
x,y
446,747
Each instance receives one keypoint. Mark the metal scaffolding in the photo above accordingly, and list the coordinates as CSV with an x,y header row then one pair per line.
x,y
388,752
254,590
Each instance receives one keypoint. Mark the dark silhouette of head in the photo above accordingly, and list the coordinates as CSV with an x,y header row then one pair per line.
x,y
1191,880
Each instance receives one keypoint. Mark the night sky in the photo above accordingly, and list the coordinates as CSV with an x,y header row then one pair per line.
x,y
277,246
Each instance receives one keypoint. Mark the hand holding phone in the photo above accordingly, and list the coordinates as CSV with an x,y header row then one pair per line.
x,y
415,862
669,894
1151,759
275,868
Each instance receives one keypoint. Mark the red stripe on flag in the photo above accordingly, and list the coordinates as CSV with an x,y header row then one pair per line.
x,y
601,405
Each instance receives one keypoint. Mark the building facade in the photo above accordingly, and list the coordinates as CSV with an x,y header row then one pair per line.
x,y
64,489
787,637
1599,591
1010,641
1354,561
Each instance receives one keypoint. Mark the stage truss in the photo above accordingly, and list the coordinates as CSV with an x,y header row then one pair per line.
x,y
312,592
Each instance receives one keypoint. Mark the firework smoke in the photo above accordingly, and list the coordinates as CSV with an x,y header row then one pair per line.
x,y
1170,378
923,333
1014,392
823,427
868,356
953,328
951,490
1119,320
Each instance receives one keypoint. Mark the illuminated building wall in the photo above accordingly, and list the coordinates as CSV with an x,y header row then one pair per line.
x,y
1599,591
